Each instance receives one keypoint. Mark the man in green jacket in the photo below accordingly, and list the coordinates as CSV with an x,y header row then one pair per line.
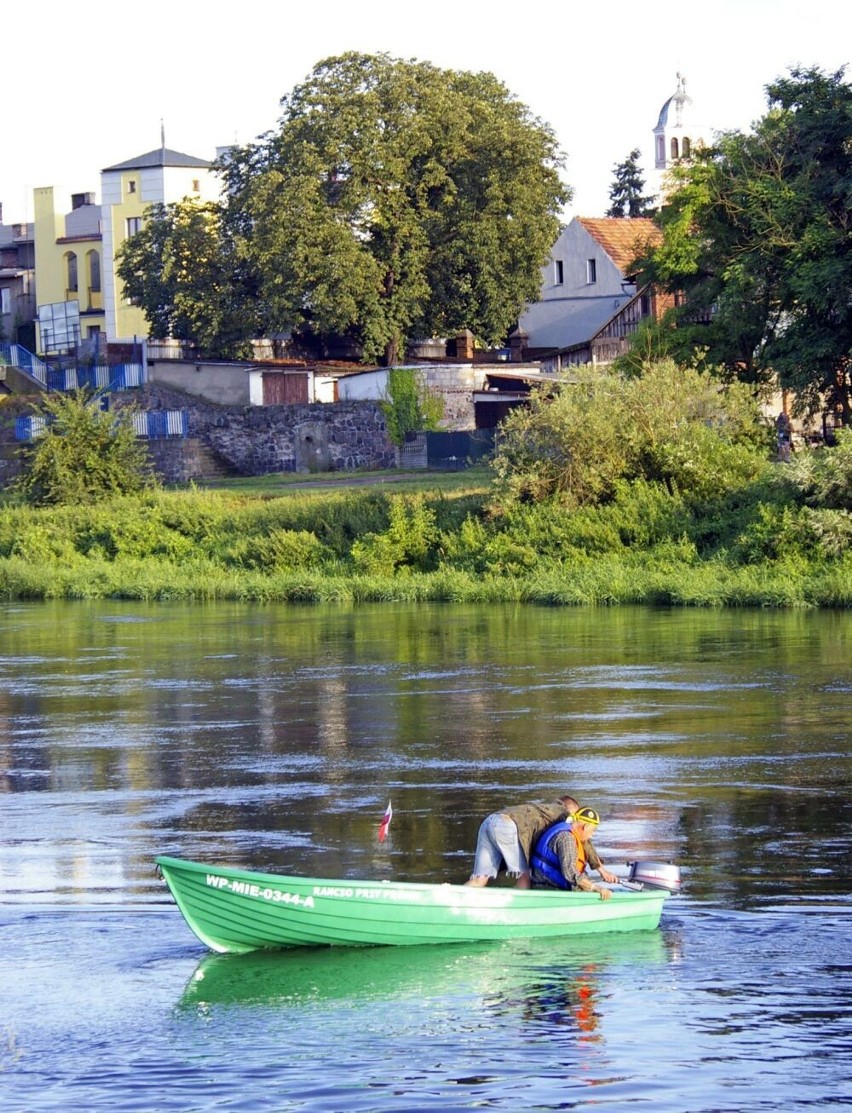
x,y
506,840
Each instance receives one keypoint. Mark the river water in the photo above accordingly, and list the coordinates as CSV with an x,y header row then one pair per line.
x,y
274,737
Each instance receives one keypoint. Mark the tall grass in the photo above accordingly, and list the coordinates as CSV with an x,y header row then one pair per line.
x,y
646,545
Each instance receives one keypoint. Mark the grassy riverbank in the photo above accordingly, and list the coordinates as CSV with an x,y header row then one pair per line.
x,y
430,538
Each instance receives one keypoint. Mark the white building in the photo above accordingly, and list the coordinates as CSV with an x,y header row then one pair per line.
x,y
128,190
586,281
678,134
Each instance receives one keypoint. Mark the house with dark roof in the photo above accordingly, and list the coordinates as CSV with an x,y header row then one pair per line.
x,y
81,302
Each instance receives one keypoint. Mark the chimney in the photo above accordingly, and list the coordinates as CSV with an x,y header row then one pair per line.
x,y
518,340
465,345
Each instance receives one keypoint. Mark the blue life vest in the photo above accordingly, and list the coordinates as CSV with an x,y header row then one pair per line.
x,y
544,857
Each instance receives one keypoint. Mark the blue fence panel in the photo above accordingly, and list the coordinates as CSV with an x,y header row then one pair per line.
x,y
150,423
128,375
123,376
28,428
161,423
177,422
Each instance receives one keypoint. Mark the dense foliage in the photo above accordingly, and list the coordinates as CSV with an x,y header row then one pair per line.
x,y
409,407
191,279
757,242
778,539
676,426
84,454
395,200
653,488
626,194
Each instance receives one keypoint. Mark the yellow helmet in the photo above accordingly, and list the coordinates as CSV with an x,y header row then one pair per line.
x,y
587,815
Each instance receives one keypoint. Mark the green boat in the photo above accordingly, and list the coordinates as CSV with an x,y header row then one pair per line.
x,y
237,911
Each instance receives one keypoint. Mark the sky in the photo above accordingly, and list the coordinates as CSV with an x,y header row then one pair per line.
x,y
90,84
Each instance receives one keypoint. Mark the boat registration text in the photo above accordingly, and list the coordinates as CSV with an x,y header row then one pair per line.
x,y
246,889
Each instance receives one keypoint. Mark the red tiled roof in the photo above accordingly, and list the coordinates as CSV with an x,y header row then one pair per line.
x,y
622,238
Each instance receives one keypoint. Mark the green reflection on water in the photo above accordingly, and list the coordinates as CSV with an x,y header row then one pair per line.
x,y
272,737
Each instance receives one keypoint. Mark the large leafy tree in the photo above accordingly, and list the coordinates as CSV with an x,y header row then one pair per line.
x,y
397,200
192,278
758,241
626,194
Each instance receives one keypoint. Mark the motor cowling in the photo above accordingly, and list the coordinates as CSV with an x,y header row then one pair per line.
x,y
656,875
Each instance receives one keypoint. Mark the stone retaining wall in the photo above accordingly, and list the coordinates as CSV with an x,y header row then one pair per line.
x,y
257,440
245,440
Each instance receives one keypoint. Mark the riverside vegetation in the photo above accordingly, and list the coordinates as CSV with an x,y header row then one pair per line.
x,y
606,490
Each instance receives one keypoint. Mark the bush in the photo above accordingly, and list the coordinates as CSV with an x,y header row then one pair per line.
x,y
680,427
823,476
84,455
281,549
407,544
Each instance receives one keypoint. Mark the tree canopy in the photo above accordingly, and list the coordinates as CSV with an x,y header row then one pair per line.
x,y
757,238
192,279
394,201
625,194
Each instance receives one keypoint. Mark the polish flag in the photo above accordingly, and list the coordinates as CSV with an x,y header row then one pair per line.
x,y
383,826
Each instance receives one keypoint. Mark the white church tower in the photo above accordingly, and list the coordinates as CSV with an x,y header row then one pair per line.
x,y
677,136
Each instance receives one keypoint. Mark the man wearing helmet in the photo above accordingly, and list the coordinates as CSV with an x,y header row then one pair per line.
x,y
560,857
506,839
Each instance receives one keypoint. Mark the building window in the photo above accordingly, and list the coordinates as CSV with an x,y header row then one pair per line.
x,y
661,149
559,273
71,272
686,148
591,271
93,265
5,301
674,149
131,186
196,185
134,225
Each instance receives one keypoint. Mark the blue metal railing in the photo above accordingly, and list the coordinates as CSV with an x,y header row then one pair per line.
x,y
151,423
161,423
121,377
16,356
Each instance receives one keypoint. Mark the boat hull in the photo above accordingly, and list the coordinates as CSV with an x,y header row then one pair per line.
x,y
237,911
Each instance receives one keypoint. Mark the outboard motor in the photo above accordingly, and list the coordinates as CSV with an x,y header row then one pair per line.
x,y
655,875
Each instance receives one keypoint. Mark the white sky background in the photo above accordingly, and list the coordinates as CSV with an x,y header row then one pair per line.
x,y
91,82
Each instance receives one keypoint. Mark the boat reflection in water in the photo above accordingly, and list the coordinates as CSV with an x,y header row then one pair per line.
x,y
542,975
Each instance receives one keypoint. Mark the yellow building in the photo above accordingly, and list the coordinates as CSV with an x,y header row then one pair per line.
x,y
69,271
81,303
128,189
